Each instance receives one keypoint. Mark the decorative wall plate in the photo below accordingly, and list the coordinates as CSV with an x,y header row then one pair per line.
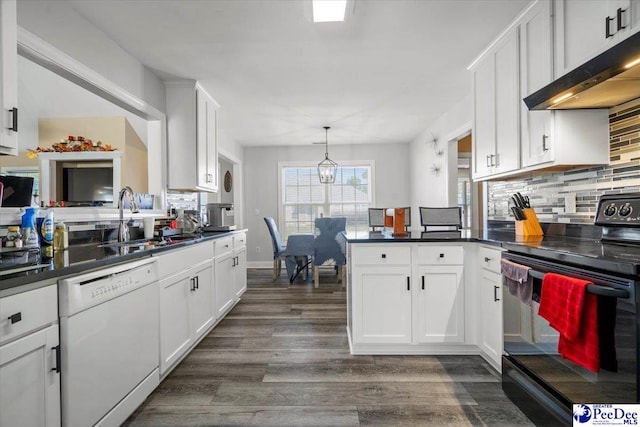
x,y
228,181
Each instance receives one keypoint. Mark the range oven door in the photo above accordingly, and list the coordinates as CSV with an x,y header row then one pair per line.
x,y
531,357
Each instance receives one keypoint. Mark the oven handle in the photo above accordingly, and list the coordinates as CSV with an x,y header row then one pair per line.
x,y
605,291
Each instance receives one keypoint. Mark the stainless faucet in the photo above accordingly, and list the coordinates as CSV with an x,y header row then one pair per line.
x,y
123,229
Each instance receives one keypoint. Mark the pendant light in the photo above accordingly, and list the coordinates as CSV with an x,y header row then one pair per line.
x,y
327,168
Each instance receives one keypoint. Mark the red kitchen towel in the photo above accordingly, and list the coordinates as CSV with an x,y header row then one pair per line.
x,y
573,312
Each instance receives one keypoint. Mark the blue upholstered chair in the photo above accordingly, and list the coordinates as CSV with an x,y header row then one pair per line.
x,y
279,250
330,246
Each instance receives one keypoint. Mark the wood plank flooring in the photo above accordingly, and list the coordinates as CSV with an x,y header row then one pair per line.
x,y
281,358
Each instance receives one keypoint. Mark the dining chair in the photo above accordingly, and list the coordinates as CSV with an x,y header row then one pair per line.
x,y
447,219
330,246
279,250
376,218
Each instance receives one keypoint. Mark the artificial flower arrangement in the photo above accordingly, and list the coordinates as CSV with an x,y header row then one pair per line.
x,y
71,144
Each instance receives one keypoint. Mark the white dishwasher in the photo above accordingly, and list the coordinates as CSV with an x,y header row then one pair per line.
x,y
109,335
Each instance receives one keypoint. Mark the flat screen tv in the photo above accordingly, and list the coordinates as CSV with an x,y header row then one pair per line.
x,y
87,186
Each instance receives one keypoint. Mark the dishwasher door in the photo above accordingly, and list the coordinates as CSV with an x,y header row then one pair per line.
x,y
110,353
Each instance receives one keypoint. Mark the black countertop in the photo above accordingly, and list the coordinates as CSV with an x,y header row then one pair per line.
x,y
82,258
582,252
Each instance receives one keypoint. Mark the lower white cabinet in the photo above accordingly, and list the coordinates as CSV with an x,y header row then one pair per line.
x,y
490,339
240,263
224,282
30,358
439,297
381,304
186,311
29,380
407,294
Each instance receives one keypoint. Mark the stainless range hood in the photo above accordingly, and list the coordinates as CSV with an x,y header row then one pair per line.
x,y
611,78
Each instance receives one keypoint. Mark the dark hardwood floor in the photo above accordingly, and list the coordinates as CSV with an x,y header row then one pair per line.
x,y
281,358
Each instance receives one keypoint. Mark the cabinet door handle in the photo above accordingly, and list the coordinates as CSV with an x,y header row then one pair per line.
x,y
487,259
15,318
14,119
423,283
544,142
408,283
608,32
497,156
193,284
495,293
209,177
237,261
57,352
488,161
619,18
197,281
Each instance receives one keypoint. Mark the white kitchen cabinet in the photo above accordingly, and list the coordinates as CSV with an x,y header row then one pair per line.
x,y
496,140
581,29
225,286
439,304
490,340
8,78
240,263
29,359
187,300
438,294
554,138
381,304
191,138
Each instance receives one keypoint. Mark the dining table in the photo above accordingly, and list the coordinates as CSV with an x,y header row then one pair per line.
x,y
299,254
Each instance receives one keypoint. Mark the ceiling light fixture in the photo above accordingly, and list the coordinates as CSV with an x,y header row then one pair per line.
x,y
329,10
327,168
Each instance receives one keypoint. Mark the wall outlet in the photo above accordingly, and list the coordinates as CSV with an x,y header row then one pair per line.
x,y
257,249
570,203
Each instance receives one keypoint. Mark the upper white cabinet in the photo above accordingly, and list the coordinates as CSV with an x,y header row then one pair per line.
x,y
552,138
510,139
8,78
496,109
192,150
585,28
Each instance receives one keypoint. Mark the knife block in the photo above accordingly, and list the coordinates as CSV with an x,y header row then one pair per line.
x,y
530,226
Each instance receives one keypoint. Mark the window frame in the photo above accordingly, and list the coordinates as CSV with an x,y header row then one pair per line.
x,y
313,164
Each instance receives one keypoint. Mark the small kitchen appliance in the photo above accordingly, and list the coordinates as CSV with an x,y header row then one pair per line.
x,y
221,217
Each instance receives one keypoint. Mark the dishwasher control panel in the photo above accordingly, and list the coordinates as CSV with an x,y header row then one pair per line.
x,y
81,292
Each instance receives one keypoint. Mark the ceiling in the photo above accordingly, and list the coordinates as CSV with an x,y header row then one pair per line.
x,y
383,76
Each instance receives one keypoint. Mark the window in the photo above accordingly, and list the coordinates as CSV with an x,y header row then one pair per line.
x,y
303,198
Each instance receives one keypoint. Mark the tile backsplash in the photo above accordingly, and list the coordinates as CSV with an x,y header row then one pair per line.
x,y
547,191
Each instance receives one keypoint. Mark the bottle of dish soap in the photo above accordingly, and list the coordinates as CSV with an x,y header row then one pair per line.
x,y
46,235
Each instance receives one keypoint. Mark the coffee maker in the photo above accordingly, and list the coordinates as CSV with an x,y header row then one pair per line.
x,y
220,216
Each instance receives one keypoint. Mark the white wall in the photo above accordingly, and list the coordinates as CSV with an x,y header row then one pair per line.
x,y
427,188
61,26
261,182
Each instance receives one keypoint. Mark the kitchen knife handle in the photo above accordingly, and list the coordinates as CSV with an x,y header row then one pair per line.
x,y
544,142
619,18
14,121
608,32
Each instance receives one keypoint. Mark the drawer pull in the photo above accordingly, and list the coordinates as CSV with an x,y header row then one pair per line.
x,y
441,255
423,283
57,367
408,283
384,255
15,318
487,259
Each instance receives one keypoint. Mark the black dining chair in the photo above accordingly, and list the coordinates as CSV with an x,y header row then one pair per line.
x,y
279,249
